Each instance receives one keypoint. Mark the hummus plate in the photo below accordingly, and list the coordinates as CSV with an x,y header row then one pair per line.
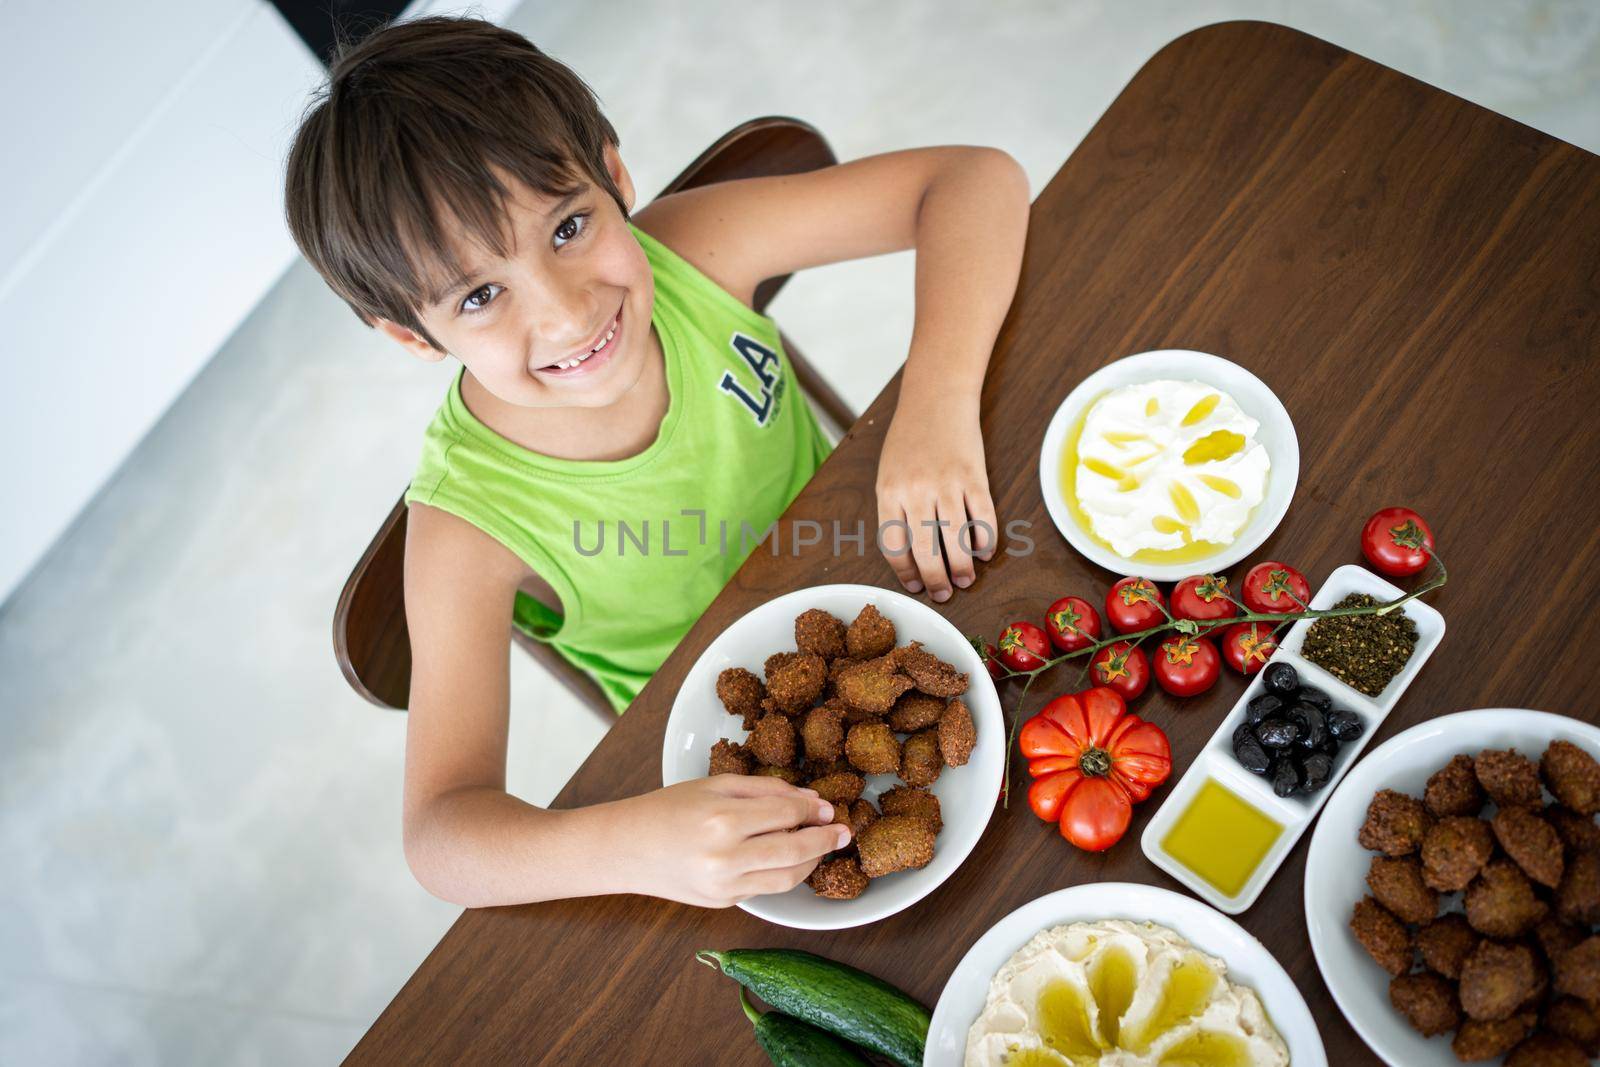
x,y
1210,932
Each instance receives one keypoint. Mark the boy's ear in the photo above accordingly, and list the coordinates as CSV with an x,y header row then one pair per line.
x,y
619,175
411,341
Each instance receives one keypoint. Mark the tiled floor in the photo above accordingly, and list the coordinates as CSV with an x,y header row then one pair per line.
x,y
199,823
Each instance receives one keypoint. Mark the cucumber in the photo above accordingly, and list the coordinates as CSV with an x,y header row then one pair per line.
x,y
791,1043
841,1000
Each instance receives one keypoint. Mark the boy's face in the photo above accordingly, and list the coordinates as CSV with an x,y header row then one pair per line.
x,y
576,276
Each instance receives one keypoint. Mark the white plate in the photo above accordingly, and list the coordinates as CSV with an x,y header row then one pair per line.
x,y
1249,962
1276,435
1336,866
967,794
1294,813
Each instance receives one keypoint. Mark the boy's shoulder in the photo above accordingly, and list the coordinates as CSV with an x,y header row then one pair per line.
x,y
681,222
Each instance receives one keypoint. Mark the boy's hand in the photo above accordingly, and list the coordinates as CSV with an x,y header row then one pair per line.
x,y
716,841
932,472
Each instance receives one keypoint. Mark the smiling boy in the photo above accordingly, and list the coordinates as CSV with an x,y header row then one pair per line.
x,y
462,192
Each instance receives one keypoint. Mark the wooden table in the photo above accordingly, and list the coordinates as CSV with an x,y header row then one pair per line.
x,y
1417,278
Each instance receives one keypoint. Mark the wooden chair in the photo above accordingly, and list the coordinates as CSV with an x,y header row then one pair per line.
x,y
370,639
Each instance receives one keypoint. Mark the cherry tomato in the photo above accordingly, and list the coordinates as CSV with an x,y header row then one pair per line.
x,y
990,656
1274,588
1202,597
1186,666
1072,624
1023,646
1123,667
1246,646
1134,604
1397,541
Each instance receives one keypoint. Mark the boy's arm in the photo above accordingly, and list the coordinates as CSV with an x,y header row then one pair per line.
x,y
712,842
965,211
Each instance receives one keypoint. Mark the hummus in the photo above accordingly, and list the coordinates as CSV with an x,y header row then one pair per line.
x,y
1121,994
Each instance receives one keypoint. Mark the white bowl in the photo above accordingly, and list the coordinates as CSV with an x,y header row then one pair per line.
x,y
1336,866
1249,962
1276,435
967,794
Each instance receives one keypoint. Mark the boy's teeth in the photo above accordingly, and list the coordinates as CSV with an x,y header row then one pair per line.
x,y
569,364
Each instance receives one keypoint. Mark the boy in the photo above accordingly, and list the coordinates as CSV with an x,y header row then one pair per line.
x,y
462,192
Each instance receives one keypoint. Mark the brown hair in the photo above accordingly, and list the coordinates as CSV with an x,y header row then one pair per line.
x,y
410,120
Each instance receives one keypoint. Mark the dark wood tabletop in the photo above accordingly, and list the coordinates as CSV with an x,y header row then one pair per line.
x,y
1417,278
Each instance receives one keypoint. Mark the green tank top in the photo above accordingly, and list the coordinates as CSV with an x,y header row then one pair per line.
x,y
621,541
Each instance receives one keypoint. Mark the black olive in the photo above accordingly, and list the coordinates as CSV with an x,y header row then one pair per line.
x,y
1285,776
1262,706
1248,751
1277,734
1330,745
1313,728
1345,725
1318,767
1281,679
1310,694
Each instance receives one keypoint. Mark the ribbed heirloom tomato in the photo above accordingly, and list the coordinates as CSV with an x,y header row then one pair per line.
x,y
1092,762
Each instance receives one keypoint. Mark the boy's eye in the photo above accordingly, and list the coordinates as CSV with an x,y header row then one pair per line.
x,y
471,308
570,227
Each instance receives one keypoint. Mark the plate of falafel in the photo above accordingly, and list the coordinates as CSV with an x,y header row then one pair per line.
x,y
1452,892
878,703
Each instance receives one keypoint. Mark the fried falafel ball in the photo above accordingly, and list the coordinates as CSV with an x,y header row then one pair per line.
x,y
1445,944
1578,895
788,774
1576,1020
741,693
819,632
1578,970
1545,1049
1577,832
920,762
1480,1039
772,741
843,787
929,673
869,635
822,733
1500,901
1395,824
1396,881
1509,779
777,661
1454,790
914,711
729,757
915,801
1427,1001
796,683
871,748
1454,851
895,843
957,734
1555,937
1382,935
1572,775
1496,980
1531,842
862,815
873,686
838,879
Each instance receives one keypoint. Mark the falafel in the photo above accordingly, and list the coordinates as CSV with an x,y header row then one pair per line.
x,y
1382,935
772,741
1396,882
741,693
1427,1001
838,879
796,683
1496,980
1454,851
822,732
1509,779
871,747
895,843
1445,943
920,762
915,711
843,787
819,632
1572,775
869,635
872,686
1395,824
1454,790
1500,901
957,734
1531,842
729,757
915,801
1578,894
928,672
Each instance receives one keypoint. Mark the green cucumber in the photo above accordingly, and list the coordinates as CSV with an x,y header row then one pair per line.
x,y
841,1000
791,1043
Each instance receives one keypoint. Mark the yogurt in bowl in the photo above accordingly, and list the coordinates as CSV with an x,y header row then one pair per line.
x,y
1168,463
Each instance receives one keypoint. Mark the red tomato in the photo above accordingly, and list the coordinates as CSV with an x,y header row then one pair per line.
x,y
1072,624
1134,604
1186,666
1023,646
1203,597
1397,541
990,656
1274,588
1246,646
1123,667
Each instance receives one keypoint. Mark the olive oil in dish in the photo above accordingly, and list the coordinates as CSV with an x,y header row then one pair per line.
x,y
1221,837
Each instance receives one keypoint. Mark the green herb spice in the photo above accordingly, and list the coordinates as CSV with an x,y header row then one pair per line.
x,y
1363,651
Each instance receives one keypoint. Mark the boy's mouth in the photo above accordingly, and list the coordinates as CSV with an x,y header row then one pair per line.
x,y
598,354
